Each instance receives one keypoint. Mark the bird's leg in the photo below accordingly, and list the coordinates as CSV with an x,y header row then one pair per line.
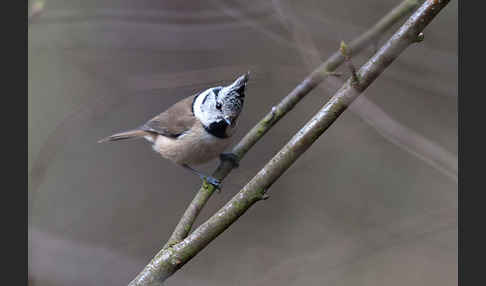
x,y
231,157
213,181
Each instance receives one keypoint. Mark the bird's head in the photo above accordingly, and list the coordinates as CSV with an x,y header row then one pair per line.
x,y
231,98
222,103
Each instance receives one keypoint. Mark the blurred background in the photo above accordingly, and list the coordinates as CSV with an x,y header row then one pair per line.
x,y
372,202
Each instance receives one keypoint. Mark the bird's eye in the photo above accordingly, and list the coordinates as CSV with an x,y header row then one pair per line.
x,y
218,105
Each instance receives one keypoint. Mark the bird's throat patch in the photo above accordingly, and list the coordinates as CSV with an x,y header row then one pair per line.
x,y
217,129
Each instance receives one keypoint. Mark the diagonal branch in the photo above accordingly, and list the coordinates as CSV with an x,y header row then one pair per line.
x,y
309,83
414,143
172,258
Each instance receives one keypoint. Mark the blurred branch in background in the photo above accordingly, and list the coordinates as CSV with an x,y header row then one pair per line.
x,y
402,136
431,83
173,257
308,84
409,140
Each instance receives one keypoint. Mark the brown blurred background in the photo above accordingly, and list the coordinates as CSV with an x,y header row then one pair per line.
x,y
359,208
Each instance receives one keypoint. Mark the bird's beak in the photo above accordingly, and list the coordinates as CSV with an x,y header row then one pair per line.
x,y
229,120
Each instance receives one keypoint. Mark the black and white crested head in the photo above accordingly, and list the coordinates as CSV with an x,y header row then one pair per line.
x,y
219,107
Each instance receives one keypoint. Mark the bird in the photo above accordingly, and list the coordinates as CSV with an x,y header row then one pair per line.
x,y
196,129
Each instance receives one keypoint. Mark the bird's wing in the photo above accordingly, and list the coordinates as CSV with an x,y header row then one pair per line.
x,y
174,121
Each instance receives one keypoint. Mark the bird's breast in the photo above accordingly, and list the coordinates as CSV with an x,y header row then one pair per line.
x,y
196,146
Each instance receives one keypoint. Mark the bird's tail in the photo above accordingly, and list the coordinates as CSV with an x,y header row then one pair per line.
x,y
131,134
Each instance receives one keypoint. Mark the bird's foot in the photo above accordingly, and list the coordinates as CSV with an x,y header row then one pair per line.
x,y
208,179
213,181
231,157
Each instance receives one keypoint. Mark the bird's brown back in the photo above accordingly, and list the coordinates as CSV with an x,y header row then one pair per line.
x,y
174,121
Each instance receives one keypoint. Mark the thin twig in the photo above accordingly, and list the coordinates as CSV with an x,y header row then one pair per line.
x,y
286,104
346,52
169,260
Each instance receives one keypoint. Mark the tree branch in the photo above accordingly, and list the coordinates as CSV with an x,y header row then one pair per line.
x,y
288,103
412,142
170,259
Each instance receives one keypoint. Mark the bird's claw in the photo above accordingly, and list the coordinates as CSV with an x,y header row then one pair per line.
x,y
213,181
